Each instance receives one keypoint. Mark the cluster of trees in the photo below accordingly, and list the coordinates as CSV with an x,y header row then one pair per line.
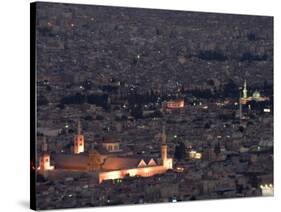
x,y
78,98
180,151
204,94
137,111
229,89
217,149
136,98
219,56
212,55
110,88
251,57
252,36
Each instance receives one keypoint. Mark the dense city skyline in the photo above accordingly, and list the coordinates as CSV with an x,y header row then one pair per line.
x,y
146,106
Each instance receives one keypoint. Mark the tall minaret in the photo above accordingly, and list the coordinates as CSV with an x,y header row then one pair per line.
x,y
78,140
245,90
164,146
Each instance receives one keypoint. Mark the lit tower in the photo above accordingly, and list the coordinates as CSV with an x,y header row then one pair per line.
x,y
78,141
245,90
44,163
167,163
164,146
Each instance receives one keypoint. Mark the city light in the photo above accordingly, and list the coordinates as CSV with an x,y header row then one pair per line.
x,y
267,189
266,110
130,110
195,155
179,169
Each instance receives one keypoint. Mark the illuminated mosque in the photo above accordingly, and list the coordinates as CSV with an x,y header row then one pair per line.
x,y
245,99
256,96
108,160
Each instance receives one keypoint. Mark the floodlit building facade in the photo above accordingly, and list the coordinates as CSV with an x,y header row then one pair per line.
x,y
111,162
256,96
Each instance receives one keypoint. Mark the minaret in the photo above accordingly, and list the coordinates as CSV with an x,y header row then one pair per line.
x,y
78,140
245,90
164,146
44,163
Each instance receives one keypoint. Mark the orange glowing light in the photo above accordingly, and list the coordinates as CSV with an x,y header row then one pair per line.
x,y
132,172
175,104
45,163
78,144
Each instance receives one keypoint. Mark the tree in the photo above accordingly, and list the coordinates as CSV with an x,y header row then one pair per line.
x,y
78,98
137,111
207,125
230,89
180,152
212,55
217,149
241,129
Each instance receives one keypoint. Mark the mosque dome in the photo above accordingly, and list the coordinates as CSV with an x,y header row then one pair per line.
x,y
256,94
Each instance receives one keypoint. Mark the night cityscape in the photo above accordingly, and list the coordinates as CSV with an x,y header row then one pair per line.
x,y
138,106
